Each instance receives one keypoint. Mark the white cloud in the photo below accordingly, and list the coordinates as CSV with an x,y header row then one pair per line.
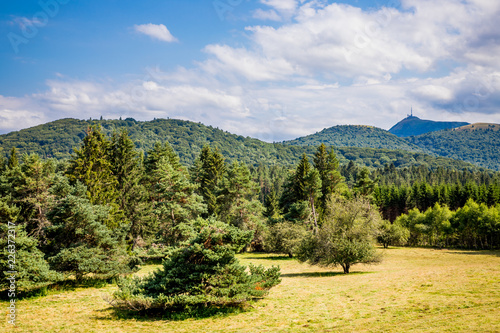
x,y
328,64
157,31
266,15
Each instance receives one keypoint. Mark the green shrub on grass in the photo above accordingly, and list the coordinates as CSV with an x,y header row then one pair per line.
x,y
203,273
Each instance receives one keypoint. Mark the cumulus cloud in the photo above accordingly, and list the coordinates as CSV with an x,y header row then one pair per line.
x,y
328,64
156,31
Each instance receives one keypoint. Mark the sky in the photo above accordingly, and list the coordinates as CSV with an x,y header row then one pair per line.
x,y
269,69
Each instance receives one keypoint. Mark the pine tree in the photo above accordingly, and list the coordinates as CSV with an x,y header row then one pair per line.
x,y
81,243
32,270
208,172
13,161
364,184
202,274
176,200
331,180
301,172
132,195
91,165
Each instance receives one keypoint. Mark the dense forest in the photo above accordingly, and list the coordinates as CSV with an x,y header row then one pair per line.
x,y
111,206
57,139
355,136
478,144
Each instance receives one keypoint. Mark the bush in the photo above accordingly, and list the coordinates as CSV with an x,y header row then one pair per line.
x,y
284,237
392,234
202,273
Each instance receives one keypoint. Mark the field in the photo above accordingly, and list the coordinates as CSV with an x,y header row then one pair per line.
x,y
413,289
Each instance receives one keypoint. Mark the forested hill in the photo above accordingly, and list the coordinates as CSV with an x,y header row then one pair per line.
x,y
57,139
477,143
355,136
412,125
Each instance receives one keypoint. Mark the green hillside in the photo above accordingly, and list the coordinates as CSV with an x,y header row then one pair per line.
x,y
355,136
57,139
477,143
412,125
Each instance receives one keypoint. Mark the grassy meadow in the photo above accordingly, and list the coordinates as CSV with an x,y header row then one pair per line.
x,y
413,289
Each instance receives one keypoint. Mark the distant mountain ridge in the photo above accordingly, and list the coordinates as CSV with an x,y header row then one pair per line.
x,y
413,126
361,136
58,138
477,143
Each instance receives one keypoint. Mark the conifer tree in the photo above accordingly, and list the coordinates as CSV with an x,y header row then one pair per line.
x,y
81,242
201,274
91,165
176,200
13,161
272,210
301,173
327,164
208,172
132,194
364,184
158,152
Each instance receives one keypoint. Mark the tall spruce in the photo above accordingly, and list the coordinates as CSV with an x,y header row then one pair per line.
x,y
127,166
13,160
301,172
90,164
327,165
208,171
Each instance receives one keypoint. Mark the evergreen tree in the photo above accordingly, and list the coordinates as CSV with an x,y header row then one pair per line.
x,y
327,165
272,210
32,270
204,273
208,172
299,185
91,165
364,184
176,200
157,153
132,195
81,243
13,161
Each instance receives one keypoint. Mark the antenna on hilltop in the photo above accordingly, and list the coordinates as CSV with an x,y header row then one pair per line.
x,y
411,112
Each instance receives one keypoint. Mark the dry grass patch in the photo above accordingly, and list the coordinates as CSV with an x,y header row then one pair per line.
x,y
422,290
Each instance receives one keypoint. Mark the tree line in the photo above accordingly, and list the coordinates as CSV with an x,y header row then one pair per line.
x,y
110,206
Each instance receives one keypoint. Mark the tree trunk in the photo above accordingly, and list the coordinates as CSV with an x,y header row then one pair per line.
x,y
314,215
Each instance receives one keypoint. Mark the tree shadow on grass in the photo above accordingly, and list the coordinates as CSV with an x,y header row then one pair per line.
x,y
54,288
321,274
166,315
271,257
478,252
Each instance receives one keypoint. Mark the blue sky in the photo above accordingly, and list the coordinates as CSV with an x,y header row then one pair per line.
x,y
272,69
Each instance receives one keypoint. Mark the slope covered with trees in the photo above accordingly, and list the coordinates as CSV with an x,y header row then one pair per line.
x,y
477,143
57,139
355,136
